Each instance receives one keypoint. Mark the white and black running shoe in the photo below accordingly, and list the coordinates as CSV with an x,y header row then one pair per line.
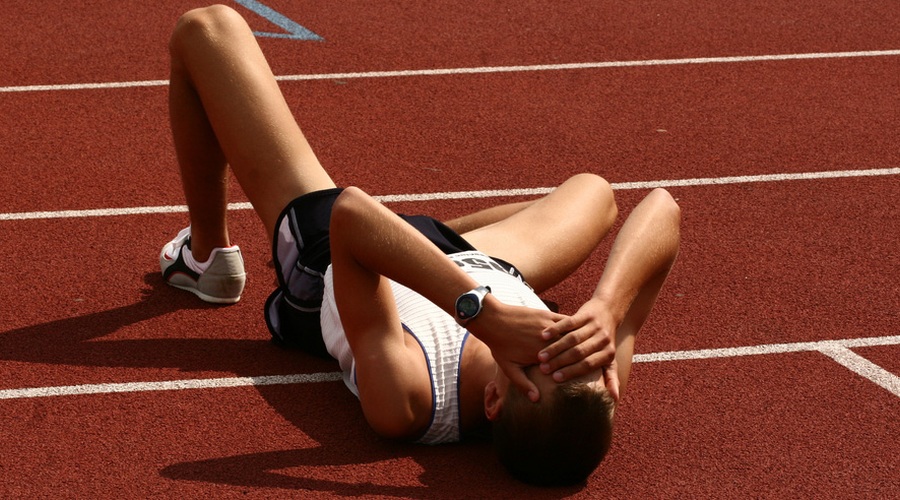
x,y
220,280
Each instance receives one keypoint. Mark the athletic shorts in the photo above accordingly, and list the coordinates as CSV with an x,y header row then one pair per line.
x,y
301,252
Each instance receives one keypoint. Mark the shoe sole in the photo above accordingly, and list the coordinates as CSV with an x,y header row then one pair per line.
x,y
221,291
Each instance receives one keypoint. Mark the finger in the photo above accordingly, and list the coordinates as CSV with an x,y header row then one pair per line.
x,y
585,366
522,382
564,325
564,344
562,355
592,345
611,377
557,317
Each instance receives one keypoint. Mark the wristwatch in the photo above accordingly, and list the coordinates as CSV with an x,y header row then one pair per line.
x,y
469,304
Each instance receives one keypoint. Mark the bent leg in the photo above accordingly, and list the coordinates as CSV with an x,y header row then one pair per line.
x,y
225,106
549,238
486,217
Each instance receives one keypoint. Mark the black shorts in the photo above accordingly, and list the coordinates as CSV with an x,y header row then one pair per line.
x,y
301,252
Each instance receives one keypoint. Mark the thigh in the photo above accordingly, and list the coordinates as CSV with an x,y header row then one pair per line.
x,y
215,51
550,238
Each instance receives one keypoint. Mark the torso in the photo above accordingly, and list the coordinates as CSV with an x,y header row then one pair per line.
x,y
457,363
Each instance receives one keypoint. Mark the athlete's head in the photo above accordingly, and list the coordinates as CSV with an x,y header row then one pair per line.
x,y
561,439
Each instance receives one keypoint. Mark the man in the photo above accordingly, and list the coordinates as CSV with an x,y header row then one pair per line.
x,y
395,298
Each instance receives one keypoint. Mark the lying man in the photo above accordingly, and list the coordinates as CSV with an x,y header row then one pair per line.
x,y
434,325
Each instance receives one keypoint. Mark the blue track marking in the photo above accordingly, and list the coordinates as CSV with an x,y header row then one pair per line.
x,y
292,30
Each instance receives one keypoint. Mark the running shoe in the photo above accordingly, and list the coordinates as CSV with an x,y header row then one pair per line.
x,y
221,282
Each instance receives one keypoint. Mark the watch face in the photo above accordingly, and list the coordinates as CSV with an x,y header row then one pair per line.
x,y
467,306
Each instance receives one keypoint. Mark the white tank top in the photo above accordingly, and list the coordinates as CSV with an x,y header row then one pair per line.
x,y
441,339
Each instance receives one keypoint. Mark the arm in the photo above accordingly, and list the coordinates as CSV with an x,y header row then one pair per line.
x,y
369,243
639,262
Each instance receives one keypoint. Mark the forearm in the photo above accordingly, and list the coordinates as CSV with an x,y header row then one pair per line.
x,y
368,242
364,233
645,248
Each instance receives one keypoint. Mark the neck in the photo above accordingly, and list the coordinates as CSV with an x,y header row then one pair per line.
x,y
477,369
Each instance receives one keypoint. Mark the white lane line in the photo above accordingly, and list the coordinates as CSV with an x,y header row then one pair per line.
x,y
877,374
838,350
480,70
746,179
497,193
757,350
170,385
862,366
98,212
595,65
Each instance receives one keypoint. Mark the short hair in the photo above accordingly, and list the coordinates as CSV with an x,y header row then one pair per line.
x,y
558,441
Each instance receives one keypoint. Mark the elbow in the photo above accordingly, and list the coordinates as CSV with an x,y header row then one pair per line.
x,y
398,426
397,431
668,215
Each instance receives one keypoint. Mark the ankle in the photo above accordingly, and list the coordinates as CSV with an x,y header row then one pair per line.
x,y
202,248
199,257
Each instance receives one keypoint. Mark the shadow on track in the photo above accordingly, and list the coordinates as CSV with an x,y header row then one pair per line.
x,y
350,459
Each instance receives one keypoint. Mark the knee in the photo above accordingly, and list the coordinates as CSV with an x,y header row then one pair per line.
x,y
599,191
348,205
665,204
199,26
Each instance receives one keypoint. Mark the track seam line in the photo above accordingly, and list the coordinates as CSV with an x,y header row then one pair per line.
x,y
496,193
837,349
483,70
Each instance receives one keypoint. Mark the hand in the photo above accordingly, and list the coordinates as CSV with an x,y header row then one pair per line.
x,y
611,380
514,336
586,342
